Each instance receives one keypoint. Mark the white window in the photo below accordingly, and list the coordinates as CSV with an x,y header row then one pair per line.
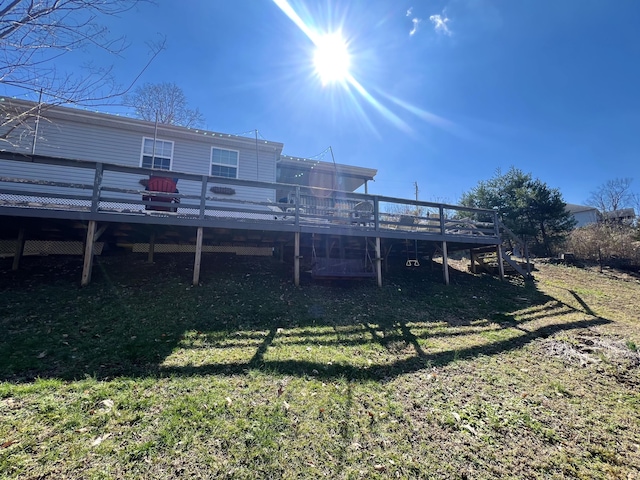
x,y
224,163
156,153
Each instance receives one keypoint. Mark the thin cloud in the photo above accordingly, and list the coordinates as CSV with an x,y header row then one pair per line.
x,y
440,24
416,22
410,11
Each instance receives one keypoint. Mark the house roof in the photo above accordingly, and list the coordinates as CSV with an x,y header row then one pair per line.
x,y
305,171
621,213
574,208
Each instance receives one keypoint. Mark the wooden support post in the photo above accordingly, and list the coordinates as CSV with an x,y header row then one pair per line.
x,y
97,186
526,254
378,262
500,261
152,246
473,260
196,265
203,197
445,263
19,249
296,259
88,254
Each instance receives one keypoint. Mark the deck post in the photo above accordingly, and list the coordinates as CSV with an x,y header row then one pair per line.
x,y
196,265
19,249
378,262
500,261
296,259
445,263
97,185
88,254
376,213
473,260
526,254
297,208
152,246
203,197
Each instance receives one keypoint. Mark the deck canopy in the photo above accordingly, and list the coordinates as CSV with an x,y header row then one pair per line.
x,y
316,173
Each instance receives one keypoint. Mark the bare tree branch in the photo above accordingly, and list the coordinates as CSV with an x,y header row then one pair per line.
x,y
164,102
34,34
612,195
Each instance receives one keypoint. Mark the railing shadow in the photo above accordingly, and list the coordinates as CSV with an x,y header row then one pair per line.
x,y
140,320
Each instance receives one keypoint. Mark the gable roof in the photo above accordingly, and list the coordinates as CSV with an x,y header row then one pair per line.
x,y
574,208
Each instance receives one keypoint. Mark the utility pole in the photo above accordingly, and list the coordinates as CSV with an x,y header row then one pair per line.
x,y
415,185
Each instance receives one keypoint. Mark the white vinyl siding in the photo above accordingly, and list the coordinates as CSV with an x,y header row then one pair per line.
x,y
156,153
107,139
224,163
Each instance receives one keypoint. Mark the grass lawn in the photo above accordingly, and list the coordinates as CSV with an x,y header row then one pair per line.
x,y
141,375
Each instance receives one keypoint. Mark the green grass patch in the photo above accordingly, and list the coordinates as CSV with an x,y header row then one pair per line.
x,y
141,375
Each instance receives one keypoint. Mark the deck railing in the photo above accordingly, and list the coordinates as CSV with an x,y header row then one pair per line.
x,y
100,189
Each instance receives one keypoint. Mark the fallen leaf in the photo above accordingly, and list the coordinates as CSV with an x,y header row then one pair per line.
x,y
470,428
229,401
100,439
456,416
379,467
42,354
285,405
8,443
107,404
82,430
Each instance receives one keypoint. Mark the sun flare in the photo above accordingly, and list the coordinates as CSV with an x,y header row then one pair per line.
x,y
332,59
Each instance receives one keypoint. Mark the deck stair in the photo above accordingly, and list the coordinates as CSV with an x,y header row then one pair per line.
x,y
488,258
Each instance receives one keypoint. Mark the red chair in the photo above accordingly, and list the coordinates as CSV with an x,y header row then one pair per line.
x,y
161,185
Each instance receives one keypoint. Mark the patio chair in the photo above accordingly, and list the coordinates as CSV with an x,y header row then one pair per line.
x,y
161,185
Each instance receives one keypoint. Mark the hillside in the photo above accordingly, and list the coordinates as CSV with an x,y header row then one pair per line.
x,y
141,375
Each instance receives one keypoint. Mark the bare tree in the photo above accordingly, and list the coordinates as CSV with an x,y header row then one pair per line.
x,y
34,34
164,102
612,195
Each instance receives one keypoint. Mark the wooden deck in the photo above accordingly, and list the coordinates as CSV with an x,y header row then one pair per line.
x,y
114,195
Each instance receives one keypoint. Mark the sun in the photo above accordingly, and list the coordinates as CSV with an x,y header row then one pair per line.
x,y
331,58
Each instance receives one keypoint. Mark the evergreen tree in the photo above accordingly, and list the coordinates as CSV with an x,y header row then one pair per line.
x,y
526,205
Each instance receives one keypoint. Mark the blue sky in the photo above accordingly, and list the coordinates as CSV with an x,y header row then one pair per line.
x,y
455,89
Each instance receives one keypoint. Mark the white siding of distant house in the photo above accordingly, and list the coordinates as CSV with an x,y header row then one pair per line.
x,y
586,217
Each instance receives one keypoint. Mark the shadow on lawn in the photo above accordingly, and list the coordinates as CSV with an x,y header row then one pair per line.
x,y
134,316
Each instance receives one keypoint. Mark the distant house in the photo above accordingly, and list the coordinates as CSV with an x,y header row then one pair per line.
x,y
583,214
586,215
622,215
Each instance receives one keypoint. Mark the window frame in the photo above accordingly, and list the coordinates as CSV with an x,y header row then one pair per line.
x,y
142,154
212,163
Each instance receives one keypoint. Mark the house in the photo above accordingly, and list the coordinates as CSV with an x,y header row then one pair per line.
x,y
622,215
583,214
586,215
71,133
80,176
